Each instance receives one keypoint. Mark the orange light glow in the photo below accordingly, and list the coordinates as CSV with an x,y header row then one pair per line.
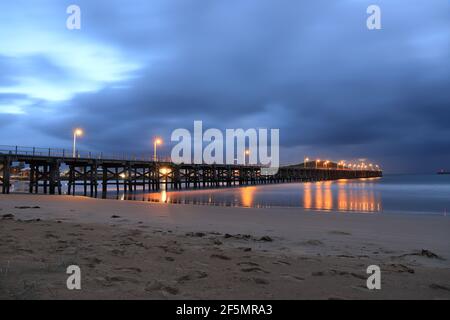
x,y
247,196
164,171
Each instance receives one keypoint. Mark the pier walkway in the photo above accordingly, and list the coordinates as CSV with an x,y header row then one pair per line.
x,y
95,172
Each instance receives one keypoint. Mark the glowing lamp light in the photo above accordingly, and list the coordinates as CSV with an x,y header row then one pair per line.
x,y
164,170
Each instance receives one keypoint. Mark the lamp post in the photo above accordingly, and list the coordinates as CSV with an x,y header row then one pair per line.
x,y
155,144
246,154
76,133
305,161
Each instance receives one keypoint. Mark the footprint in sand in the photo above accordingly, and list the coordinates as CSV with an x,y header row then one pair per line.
x,y
156,285
73,234
439,287
291,276
248,263
334,272
313,243
118,252
342,233
196,234
49,235
422,253
282,262
174,250
220,256
195,275
260,281
254,269
120,279
92,261
399,268
130,269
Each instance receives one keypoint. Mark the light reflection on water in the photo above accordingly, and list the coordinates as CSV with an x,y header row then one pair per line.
x,y
340,195
396,193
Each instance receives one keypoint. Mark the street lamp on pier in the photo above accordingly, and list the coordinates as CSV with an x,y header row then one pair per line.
x,y
305,161
246,154
155,144
76,133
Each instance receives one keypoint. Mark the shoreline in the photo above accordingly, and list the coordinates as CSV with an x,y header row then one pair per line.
x,y
274,207
328,250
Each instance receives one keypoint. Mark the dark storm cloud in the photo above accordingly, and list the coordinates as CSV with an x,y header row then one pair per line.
x,y
310,68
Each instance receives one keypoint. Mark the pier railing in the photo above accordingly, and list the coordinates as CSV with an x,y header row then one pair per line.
x,y
65,154
80,154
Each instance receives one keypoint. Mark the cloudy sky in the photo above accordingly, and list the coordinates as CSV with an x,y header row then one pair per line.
x,y
311,68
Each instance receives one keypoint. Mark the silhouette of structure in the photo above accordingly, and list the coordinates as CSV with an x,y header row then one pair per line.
x,y
93,171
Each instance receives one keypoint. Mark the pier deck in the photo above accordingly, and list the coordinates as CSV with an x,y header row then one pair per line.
x,y
93,171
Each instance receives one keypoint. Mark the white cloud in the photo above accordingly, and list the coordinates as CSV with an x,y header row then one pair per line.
x,y
88,65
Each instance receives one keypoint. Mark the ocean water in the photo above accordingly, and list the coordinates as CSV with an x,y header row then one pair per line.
x,y
390,194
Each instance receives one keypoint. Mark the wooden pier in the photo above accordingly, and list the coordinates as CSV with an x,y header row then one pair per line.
x,y
131,174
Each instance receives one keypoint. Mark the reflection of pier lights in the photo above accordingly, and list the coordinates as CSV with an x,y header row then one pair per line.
x,y
163,196
307,195
247,194
319,196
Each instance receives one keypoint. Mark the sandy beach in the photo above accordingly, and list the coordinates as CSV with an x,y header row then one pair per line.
x,y
144,250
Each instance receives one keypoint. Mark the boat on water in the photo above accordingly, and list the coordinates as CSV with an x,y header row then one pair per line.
x,y
442,171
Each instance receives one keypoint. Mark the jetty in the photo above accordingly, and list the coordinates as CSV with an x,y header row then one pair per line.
x,y
99,173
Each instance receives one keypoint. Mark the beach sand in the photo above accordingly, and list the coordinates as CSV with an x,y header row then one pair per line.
x,y
144,250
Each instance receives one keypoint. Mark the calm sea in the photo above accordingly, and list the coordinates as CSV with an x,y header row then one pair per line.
x,y
392,193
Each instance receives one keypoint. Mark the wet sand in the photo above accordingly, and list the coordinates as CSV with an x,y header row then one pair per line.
x,y
142,250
